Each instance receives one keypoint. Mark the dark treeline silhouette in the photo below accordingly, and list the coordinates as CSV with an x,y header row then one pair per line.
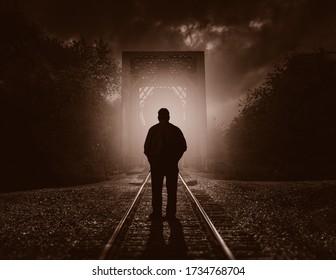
x,y
287,127
57,125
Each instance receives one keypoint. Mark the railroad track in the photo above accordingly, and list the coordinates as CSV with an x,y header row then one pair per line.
x,y
194,236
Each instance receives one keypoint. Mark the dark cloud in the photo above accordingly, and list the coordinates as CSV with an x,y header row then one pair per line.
x,y
241,38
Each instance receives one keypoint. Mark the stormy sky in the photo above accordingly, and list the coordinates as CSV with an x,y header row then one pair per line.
x,y
241,38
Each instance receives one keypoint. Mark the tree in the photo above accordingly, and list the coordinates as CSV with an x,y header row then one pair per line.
x,y
58,123
287,127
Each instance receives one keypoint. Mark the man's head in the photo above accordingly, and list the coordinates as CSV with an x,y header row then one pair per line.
x,y
163,115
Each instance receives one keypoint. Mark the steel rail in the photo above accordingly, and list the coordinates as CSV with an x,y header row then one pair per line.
x,y
226,250
117,230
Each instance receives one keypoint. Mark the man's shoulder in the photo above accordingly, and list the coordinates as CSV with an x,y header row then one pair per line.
x,y
168,124
174,127
152,129
175,130
155,126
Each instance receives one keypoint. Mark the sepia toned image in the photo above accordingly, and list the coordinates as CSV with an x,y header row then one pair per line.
x,y
167,130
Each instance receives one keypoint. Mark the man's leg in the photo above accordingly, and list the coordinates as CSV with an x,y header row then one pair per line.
x,y
171,183
157,182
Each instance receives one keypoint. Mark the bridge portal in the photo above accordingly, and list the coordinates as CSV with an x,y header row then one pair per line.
x,y
154,80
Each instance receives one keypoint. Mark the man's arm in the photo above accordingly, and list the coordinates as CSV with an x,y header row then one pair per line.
x,y
182,144
148,144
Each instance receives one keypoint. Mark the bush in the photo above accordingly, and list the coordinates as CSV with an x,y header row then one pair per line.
x,y
286,129
58,124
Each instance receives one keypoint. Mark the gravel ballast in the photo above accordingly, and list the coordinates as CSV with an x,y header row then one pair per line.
x,y
290,220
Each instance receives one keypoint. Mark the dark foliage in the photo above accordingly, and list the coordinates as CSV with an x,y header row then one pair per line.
x,y
287,128
58,126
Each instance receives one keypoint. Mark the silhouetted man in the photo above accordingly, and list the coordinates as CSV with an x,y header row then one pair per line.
x,y
164,146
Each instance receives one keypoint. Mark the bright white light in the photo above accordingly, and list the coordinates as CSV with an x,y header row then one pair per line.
x,y
174,99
